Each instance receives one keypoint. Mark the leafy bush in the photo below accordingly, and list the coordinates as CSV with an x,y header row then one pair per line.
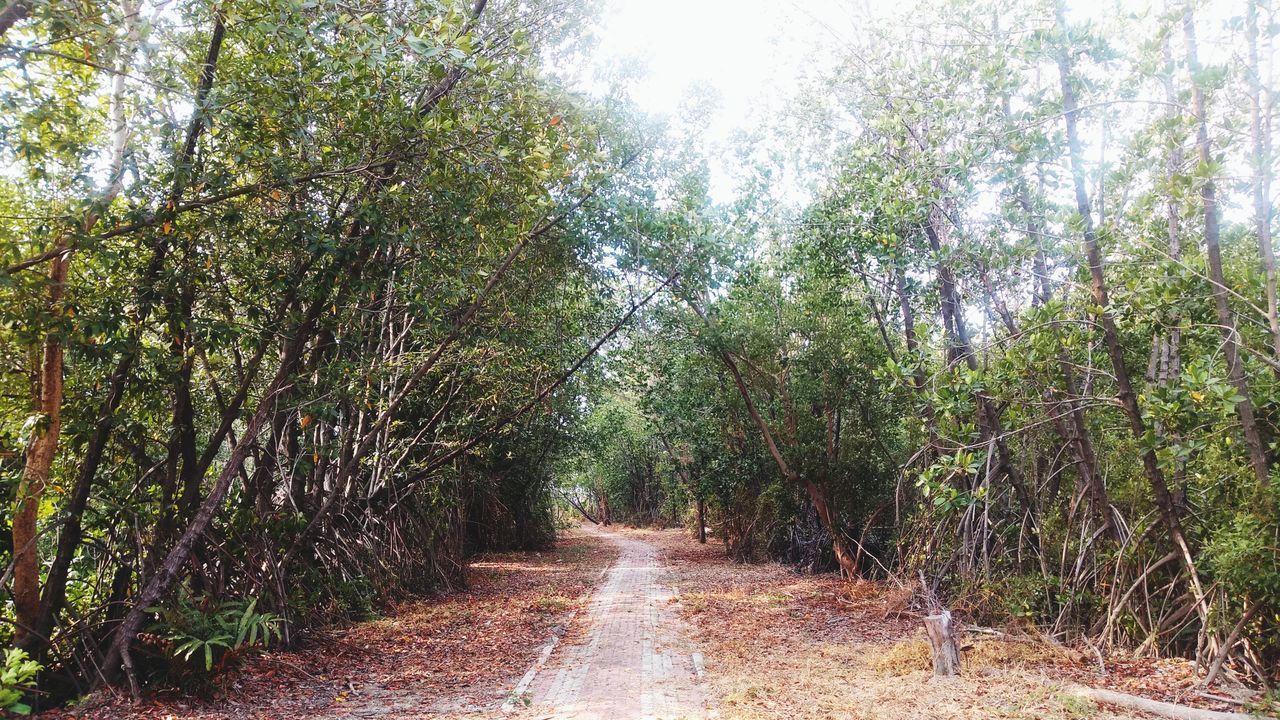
x,y
1244,555
198,632
17,677
355,598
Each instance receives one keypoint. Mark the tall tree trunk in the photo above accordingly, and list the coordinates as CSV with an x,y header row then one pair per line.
x,y
1068,417
182,460
1167,349
167,572
32,630
962,350
827,514
1128,400
845,559
603,498
1226,317
41,452
1260,129
918,378
1072,429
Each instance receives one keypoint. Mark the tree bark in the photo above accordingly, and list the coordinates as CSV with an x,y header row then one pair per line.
x,y
15,11
943,643
845,559
41,452
1072,429
913,351
962,349
32,628
602,499
1226,317
168,571
1260,129
1125,395
1168,348
1156,707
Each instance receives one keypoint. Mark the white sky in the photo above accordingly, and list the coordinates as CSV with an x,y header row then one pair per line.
x,y
754,53
746,49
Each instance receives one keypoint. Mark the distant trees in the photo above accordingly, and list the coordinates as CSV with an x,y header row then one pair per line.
x,y
983,182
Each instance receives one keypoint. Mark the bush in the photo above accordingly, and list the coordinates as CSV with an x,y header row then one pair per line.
x,y
1244,555
16,679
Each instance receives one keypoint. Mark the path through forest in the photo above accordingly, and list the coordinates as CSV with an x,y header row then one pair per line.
x,y
633,611
635,659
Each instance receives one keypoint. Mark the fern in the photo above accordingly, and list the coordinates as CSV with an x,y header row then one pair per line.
x,y
196,631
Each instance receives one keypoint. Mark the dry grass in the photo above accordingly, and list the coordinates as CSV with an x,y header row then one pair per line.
x,y
913,655
777,644
782,645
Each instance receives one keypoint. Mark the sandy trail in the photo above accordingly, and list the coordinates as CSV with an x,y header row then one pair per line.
x,y
636,659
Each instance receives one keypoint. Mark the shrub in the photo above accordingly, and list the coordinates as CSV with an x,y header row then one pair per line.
x,y
17,677
1244,555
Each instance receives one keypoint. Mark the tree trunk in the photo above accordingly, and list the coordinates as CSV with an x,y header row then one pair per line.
x,y
913,351
1072,429
822,505
943,643
604,503
1226,317
962,349
41,451
1156,707
1125,395
168,571
13,12
1168,348
848,567
181,462
1260,129
31,610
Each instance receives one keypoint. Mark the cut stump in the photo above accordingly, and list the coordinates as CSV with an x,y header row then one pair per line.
x,y
942,641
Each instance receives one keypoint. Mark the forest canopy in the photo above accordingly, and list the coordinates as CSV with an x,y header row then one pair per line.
x,y
303,302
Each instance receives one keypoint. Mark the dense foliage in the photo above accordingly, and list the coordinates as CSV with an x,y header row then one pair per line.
x,y
1021,345
291,300
298,301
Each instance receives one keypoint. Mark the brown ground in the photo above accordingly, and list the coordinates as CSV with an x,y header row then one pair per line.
x,y
783,645
777,645
436,657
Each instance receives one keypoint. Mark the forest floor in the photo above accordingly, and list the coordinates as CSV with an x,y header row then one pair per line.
x,y
445,656
649,624
784,645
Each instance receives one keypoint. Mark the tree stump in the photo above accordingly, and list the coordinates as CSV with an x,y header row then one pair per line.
x,y
942,640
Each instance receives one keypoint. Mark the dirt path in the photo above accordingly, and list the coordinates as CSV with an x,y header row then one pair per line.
x,y
635,658
778,645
